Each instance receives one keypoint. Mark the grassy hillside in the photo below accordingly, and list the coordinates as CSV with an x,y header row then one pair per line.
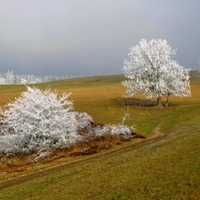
x,y
166,167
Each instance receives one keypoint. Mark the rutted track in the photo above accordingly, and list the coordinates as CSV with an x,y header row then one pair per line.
x,y
158,136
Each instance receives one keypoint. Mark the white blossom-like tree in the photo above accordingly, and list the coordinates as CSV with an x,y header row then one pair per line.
x,y
150,68
38,120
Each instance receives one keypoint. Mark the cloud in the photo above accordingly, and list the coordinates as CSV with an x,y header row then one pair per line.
x,y
88,37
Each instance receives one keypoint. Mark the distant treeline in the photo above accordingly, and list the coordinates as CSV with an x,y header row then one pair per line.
x,y
11,78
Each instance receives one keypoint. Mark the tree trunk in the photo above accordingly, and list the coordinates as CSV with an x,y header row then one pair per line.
x,y
159,103
167,101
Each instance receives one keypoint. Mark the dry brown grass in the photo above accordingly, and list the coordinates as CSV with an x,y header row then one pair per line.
x,y
91,145
166,168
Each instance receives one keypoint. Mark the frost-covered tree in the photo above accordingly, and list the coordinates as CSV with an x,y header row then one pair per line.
x,y
10,78
38,120
150,69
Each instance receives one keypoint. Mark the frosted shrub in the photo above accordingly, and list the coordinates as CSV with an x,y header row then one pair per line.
x,y
41,121
99,131
36,120
83,120
121,130
103,130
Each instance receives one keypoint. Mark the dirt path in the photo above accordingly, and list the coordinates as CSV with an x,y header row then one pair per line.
x,y
142,143
157,132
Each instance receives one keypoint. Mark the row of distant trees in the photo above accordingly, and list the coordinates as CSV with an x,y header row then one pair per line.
x,y
11,78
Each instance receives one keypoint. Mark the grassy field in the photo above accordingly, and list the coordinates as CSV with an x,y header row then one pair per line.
x,y
164,167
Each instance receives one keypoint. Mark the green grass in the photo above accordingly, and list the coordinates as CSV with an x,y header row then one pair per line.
x,y
168,168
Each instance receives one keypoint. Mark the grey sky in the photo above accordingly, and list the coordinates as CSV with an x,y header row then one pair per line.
x,y
90,37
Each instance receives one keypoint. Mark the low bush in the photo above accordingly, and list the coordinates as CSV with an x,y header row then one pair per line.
x,y
41,121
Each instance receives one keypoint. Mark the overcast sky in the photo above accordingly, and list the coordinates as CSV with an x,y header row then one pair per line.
x,y
90,37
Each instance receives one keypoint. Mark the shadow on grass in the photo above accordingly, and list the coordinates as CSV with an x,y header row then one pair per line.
x,y
138,102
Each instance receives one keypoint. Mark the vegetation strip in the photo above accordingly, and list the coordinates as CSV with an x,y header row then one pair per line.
x,y
28,177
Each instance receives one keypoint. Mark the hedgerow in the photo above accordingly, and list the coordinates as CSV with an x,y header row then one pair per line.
x,y
41,121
